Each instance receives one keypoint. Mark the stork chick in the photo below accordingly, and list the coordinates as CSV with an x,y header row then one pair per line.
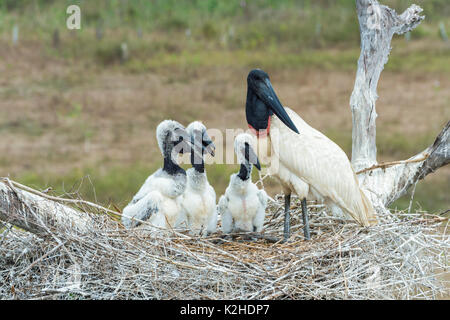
x,y
199,198
158,200
243,206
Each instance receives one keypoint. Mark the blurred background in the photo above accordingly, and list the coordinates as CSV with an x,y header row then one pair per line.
x,y
79,108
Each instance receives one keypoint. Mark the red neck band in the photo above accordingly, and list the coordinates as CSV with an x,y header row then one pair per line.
x,y
261,133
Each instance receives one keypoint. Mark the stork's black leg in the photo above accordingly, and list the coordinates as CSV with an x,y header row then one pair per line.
x,y
287,216
305,220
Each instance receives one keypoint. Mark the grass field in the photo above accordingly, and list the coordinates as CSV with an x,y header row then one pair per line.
x,y
76,117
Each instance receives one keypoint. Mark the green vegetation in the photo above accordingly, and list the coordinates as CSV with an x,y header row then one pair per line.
x,y
115,185
426,197
260,21
169,33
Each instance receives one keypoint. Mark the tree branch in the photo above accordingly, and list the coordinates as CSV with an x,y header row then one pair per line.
x,y
389,184
439,154
408,20
28,211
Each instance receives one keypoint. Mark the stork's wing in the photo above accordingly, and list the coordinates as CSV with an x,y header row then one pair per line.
x,y
142,210
322,164
225,214
212,192
262,196
222,205
258,221
147,187
212,219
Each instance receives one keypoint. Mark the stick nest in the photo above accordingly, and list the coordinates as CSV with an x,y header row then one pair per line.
x,y
404,257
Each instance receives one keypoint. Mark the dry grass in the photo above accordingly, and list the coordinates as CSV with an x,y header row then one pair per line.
x,y
404,257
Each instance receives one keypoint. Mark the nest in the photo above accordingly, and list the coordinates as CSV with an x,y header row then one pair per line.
x,y
404,257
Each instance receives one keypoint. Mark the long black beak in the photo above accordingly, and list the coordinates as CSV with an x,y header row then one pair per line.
x,y
209,147
251,156
269,97
257,164
204,141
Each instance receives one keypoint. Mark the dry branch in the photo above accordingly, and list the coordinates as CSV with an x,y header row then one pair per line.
x,y
439,154
37,214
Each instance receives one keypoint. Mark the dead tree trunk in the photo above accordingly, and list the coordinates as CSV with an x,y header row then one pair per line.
x,y
38,215
386,182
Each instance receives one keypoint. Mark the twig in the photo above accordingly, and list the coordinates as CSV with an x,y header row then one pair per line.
x,y
384,165
42,257
251,236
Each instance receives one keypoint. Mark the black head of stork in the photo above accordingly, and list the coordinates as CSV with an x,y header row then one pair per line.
x,y
262,103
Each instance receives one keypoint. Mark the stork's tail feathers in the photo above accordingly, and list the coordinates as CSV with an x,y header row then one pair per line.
x,y
368,214
360,209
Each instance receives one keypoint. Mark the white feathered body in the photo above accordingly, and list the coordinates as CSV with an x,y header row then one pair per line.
x,y
243,206
312,166
199,204
158,201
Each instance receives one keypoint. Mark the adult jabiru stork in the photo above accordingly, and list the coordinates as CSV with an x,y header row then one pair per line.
x,y
303,159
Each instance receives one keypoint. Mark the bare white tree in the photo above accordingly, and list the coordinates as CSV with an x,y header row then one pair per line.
x,y
385,182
